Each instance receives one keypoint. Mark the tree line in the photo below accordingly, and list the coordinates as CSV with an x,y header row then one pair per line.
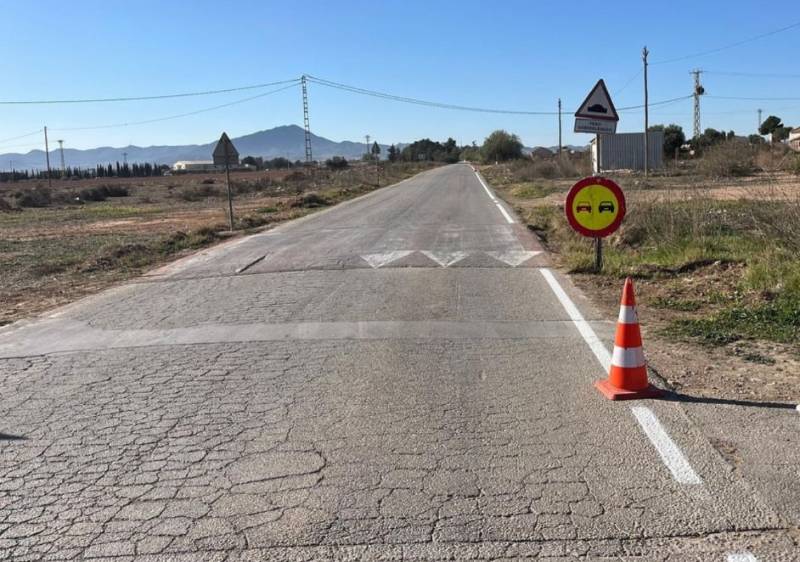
x,y
115,170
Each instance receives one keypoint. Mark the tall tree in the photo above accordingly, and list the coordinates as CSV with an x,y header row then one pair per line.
x,y
501,146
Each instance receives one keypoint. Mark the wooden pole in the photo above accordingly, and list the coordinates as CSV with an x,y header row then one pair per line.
x,y
228,184
645,52
47,155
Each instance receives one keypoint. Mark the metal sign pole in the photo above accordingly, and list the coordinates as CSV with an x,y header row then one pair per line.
x,y
228,184
598,254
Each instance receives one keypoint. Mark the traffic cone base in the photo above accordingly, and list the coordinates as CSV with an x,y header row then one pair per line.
x,y
613,393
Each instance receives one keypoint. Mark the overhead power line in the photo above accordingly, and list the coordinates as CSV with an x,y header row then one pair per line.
x,y
416,101
21,136
731,45
145,98
751,98
441,105
169,117
751,74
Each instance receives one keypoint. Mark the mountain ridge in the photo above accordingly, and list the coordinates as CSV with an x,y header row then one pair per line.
x,y
286,141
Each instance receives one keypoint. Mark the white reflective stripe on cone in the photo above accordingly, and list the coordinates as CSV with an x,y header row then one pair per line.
x,y
627,315
627,357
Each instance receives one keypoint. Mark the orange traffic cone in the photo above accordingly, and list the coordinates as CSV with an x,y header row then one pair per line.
x,y
627,378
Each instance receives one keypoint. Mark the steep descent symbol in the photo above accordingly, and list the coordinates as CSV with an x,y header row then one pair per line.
x,y
598,104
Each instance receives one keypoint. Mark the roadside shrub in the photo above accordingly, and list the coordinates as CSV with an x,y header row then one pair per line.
x,y
208,181
728,159
36,197
336,163
102,192
198,193
310,201
296,175
6,207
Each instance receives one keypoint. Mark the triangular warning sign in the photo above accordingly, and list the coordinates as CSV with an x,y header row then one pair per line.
x,y
225,151
598,104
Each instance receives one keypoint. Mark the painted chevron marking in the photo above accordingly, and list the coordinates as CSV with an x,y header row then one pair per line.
x,y
445,258
379,260
514,257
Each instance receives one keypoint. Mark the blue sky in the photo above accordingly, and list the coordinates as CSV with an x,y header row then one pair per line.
x,y
512,54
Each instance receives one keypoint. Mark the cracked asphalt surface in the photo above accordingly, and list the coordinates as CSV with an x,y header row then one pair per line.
x,y
316,406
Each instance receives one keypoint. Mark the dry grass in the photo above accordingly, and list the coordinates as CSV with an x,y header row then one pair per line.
x,y
64,248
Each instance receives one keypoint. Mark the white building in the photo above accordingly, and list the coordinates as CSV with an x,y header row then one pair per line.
x,y
794,139
194,166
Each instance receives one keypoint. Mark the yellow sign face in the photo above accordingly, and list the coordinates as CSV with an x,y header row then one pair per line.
x,y
595,207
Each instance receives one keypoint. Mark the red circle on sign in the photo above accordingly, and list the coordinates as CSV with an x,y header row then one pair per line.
x,y
608,184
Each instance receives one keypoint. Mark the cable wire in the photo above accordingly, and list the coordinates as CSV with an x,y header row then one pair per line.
x,y
749,98
146,98
169,117
404,99
416,101
730,46
750,74
22,136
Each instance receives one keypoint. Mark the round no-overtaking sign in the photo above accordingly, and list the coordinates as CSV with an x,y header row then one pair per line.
x,y
595,207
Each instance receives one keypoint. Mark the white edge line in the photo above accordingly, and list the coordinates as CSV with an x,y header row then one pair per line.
x,y
494,199
670,454
594,342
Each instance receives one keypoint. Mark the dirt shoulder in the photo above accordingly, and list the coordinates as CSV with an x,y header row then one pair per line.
x,y
68,248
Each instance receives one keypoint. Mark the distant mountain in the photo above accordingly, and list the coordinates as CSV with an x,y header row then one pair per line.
x,y
287,141
554,149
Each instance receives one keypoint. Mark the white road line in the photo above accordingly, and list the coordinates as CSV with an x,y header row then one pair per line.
x,y
505,213
595,344
741,557
672,456
508,217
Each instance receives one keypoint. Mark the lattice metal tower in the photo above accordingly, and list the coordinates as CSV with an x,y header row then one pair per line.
x,y
309,157
61,150
698,91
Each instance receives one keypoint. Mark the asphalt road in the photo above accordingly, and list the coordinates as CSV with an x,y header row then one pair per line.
x,y
399,377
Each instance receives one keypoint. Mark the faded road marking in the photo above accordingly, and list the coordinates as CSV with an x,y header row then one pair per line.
x,y
672,456
378,260
594,342
514,257
445,258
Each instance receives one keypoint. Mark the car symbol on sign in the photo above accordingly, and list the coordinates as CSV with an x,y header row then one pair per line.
x,y
583,207
606,206
597,108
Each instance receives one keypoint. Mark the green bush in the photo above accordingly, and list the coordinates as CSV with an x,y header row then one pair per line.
x,y
37,197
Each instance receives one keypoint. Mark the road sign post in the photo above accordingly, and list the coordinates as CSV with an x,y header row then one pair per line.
x,y
226,154
595,208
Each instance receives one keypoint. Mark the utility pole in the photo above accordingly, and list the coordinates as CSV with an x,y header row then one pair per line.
x,y
645,52
47,156
559,127
61,150
124,158
11,165
309,157
758,132
698,91
366,138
